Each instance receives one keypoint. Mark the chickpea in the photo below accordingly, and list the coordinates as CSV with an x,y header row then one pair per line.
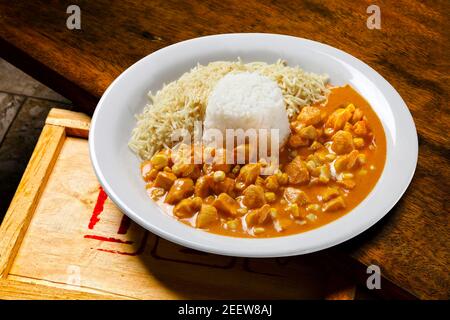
x,y
159,161
270,196
313,207
311,165
232,224
294,210
258,230
362,159
362,172
358,142
219,176
311,217
157,193
271,183
347,175
240,186
283,178
325,175
328,131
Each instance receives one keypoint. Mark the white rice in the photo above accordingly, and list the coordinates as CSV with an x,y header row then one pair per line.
x,y
247,101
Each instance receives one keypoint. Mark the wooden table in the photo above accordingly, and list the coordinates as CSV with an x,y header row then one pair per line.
x,y
411,50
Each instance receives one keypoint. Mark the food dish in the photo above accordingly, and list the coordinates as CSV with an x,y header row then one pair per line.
x,y
328,164
122,187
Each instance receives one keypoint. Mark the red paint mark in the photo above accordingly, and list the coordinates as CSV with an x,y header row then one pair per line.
x,y
139,251
88,236
102,196
118,252
124,225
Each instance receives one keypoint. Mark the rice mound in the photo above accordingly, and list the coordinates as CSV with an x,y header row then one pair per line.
x,y
182,102
247,101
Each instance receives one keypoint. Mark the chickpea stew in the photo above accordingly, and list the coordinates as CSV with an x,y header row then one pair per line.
x,y
333,159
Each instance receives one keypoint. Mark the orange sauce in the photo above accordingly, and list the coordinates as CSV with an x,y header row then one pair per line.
x,y
365,177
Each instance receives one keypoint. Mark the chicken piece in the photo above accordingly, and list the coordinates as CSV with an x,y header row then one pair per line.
x,y
296,126
259,181
149,175
203,186
187,207
271,183
358,143
296,140
181,169
316,146
347,184
330,193
207,216
338,118
181,188
294,195
348,127
248,174
297,171
350,107
309,116
160,160
257,216
334,204
253,197
342,142
325,174
360,128
164,180
357,115
225,186
341,163
352,158
346,162
148,172
308,132
226,204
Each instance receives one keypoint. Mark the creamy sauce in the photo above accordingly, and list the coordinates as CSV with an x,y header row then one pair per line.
x,y
311,215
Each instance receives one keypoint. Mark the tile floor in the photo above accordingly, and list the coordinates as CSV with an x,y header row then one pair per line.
x,y
24,105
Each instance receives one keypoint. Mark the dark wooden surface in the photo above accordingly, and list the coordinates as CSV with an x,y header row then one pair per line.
x,y
412,51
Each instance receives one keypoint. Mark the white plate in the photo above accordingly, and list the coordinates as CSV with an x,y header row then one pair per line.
x,y
117,168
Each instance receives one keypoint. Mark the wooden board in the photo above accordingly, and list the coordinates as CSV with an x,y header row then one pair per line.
x,y
411,50
62,238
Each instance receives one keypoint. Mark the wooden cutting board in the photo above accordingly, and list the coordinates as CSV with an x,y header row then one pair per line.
x,y
63,238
